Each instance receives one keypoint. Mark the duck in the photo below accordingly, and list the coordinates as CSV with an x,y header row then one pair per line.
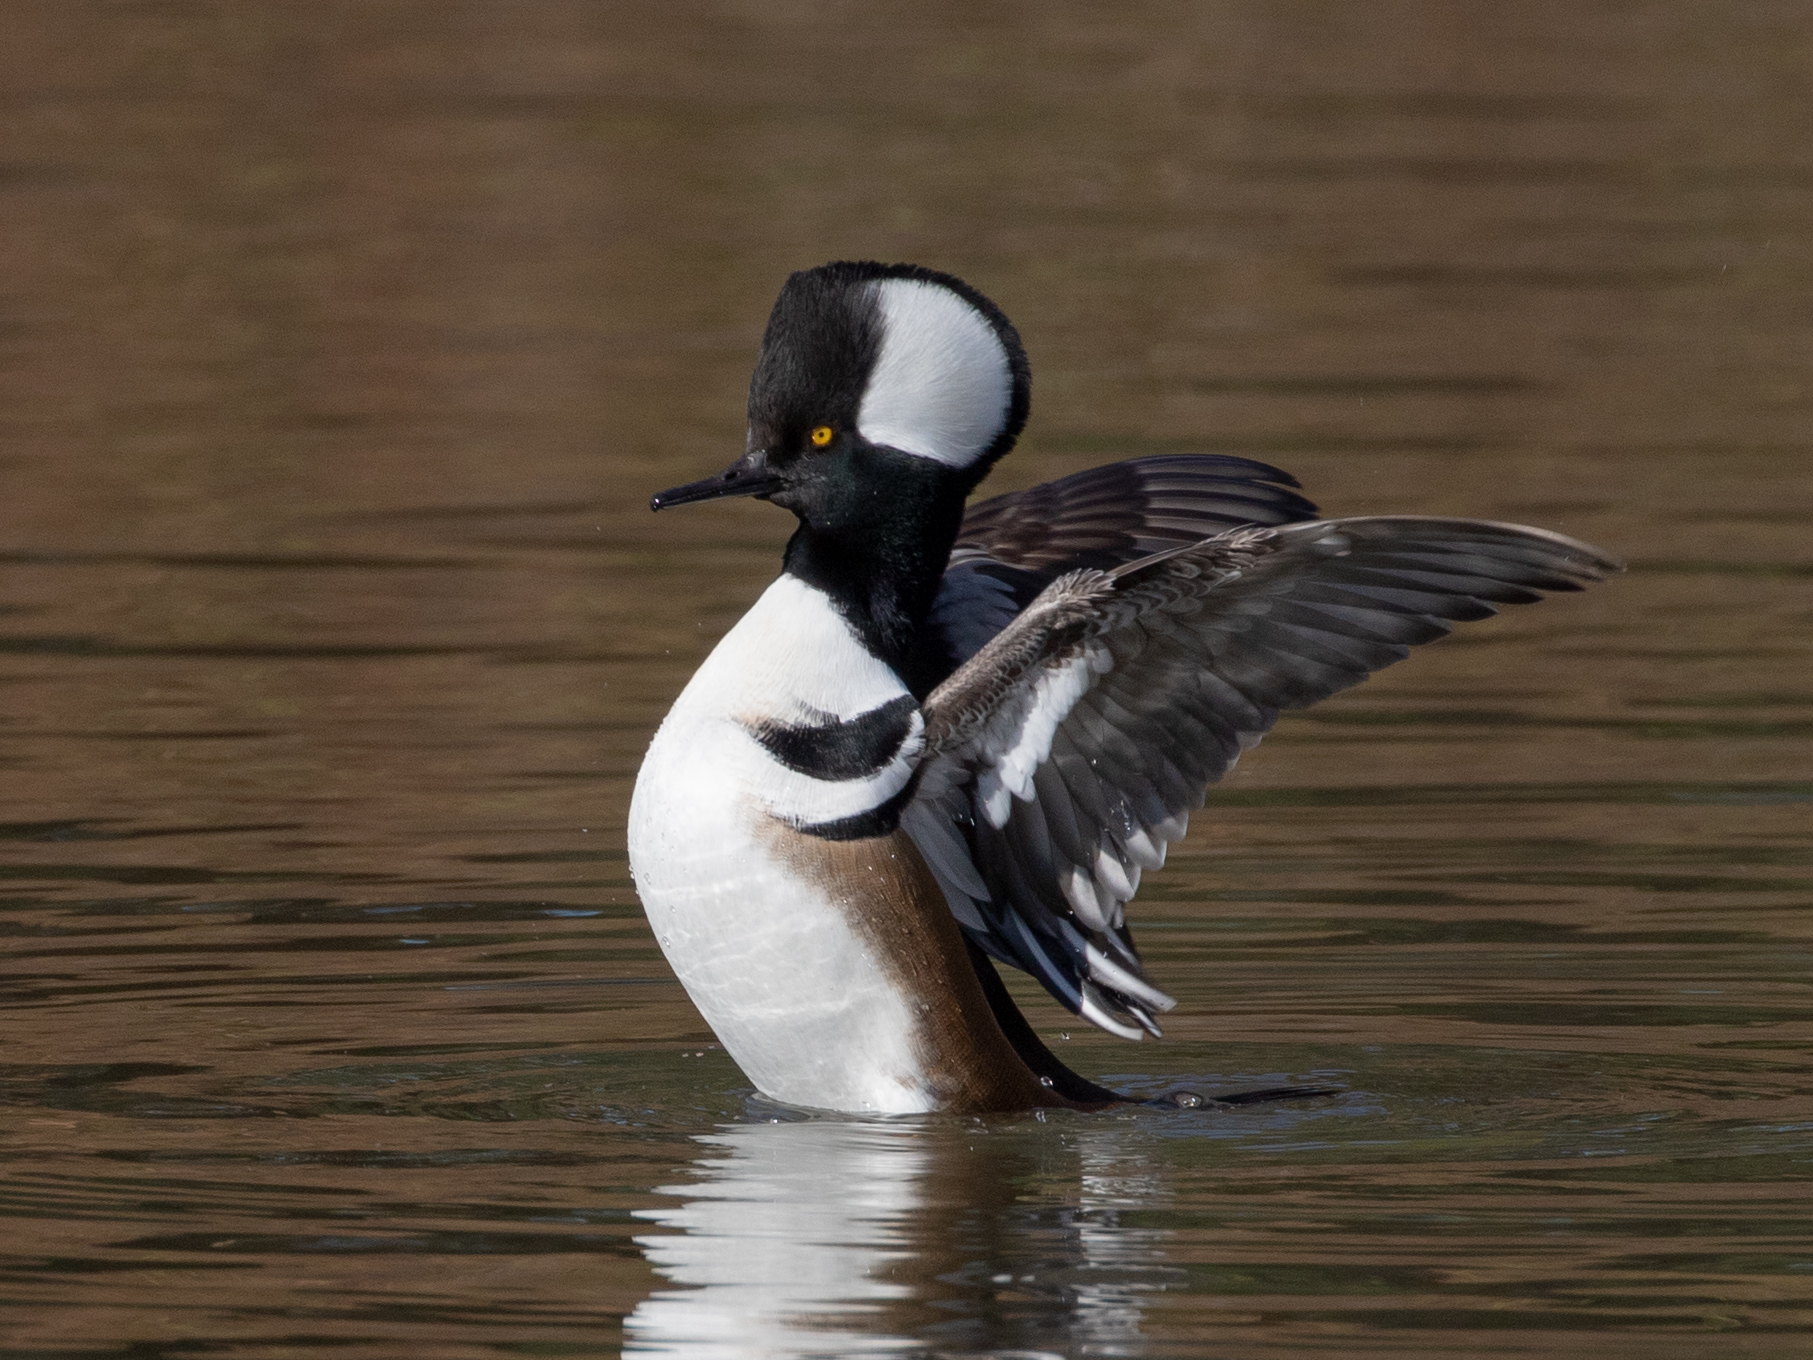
x,y
952,737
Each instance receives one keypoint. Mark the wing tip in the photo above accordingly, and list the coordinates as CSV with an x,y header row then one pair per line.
x,y
1098,1015
1570,563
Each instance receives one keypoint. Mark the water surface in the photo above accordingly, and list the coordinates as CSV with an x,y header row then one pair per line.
x,y
340,347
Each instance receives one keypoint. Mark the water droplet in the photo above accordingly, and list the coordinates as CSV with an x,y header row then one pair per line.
x,y
1045,1082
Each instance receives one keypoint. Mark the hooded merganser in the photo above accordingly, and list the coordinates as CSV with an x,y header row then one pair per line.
x,y
944,739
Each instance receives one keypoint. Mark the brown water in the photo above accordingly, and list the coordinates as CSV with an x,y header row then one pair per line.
x,y
340,347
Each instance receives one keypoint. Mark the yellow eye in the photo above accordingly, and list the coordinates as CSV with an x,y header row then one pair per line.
x,y
821,436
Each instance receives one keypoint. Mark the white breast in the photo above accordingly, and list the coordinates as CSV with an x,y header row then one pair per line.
x,y
772,962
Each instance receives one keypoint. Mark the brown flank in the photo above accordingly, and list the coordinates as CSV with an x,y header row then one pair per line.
x,y
891,900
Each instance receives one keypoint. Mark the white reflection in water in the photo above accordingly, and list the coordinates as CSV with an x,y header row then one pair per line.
x,y
1128,1262
798,1237
790,1229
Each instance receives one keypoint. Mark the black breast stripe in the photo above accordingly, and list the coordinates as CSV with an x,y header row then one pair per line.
x,y
860,748
880,820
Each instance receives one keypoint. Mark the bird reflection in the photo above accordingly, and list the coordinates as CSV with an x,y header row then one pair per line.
x,y
786,1240
835,1237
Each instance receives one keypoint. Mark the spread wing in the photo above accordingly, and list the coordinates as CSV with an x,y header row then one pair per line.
x,y
1011,547
1067,753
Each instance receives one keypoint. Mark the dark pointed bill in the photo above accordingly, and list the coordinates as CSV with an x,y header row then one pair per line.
x,y
748,476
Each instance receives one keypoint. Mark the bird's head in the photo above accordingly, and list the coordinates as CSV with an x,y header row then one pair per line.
x,y
875,382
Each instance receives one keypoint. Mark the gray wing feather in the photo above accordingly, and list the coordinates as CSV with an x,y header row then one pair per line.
x,y
1067,753
1011,547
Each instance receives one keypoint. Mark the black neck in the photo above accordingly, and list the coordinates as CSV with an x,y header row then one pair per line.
x,y
885,589
882,568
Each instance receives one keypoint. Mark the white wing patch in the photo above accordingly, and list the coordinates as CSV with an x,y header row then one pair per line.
x,y
941,386
1017,740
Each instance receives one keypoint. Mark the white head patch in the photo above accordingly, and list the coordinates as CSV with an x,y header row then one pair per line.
x,y
941,386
